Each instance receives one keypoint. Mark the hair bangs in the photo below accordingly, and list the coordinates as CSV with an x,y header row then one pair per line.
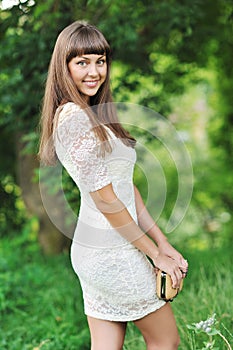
x,y
88,41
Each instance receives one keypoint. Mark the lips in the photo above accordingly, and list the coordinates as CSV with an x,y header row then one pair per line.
x,y
91,83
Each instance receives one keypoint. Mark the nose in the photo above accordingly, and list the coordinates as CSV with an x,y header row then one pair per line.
x,y
92,70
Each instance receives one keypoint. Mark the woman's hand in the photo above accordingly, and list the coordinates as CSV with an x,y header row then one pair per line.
x,y
165,248
170,266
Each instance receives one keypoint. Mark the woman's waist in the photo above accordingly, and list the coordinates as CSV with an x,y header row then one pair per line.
x,y
90,214
92,236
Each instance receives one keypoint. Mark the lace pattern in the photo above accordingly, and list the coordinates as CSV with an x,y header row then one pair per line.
x,y
117,285
117,280
77,144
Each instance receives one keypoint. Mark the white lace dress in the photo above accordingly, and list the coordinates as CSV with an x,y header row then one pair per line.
x,y
117,280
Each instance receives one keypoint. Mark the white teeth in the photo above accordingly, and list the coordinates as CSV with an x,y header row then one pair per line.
x,y
91,83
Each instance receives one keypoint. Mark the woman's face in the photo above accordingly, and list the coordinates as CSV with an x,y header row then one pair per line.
x,y
88,73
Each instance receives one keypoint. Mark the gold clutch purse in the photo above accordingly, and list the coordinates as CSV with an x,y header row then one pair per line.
x,y
164,286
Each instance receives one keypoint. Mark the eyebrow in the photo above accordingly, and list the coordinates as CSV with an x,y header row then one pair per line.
x,y
87,58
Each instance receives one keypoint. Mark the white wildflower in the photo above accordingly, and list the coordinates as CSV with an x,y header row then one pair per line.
x,y
206,325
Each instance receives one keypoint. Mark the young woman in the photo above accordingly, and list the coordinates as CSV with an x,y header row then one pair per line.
x,y
114,233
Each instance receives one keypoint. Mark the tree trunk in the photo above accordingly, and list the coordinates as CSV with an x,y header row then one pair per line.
x,y
51,240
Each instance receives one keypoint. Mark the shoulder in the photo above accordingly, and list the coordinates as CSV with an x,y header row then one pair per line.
x,y
68,110
72,114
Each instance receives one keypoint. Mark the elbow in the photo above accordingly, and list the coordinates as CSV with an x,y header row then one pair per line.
x,y
108,206
103,206
106,200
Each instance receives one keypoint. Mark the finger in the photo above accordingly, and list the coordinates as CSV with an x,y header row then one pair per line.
x,y
183,265
179,277
184,273
174,281
176,278
186,263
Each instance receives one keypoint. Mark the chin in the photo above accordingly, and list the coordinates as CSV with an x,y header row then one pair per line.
x,y
91,94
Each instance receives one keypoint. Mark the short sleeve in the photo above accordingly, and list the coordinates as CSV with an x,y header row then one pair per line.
x,y
79,149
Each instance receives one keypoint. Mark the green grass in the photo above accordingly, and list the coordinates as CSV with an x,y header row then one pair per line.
x,y
41,303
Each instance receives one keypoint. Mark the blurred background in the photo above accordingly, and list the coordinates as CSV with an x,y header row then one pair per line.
x,y
174,57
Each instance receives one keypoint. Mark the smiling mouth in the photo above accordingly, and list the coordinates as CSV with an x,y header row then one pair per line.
x,y
91,83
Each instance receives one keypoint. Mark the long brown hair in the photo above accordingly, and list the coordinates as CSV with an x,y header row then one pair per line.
x,y
78,39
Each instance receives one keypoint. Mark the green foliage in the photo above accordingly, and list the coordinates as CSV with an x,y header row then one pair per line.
x,y
209,327
27,45
56,184
13,213
40,299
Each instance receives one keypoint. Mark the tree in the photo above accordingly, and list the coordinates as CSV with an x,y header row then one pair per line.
x,y
27,44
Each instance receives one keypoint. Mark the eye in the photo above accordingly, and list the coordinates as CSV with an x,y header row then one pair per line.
x,y
82,63
101,62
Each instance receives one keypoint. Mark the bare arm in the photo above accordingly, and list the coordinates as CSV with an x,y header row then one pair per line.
x,y
145,221
117,214
148,225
